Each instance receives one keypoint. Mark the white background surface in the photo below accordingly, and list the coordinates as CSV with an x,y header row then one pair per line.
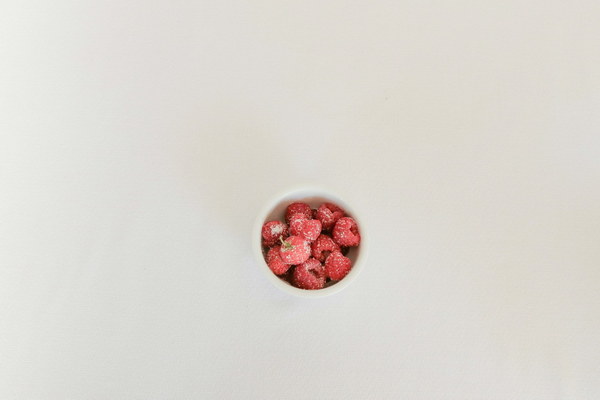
x,y
139,139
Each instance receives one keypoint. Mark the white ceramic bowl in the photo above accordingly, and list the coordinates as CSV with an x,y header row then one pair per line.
x,y
275,209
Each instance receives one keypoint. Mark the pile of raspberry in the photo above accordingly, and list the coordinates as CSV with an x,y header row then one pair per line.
x,y
309,249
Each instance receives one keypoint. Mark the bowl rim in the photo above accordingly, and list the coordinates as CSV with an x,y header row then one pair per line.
x,y
317,192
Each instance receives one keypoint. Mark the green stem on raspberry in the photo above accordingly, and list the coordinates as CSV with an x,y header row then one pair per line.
x,y
286,245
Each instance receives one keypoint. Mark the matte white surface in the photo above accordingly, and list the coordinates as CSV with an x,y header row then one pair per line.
x,y
139,139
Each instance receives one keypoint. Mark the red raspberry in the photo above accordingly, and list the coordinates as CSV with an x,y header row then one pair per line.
x,y
298,208
294,250
272,230
275,262
337,266
309,229
323,246
309,275
328,214
345,232
287,277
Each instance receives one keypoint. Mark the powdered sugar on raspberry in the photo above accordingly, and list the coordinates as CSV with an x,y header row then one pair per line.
x,y
337,266
276,230
272,231
309,229
345,232
298,208
323,246
294,250
328,214
315,251
309,275
275,262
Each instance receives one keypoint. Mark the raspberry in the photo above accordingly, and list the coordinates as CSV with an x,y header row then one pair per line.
x,y
275,262
337,266
309,229
294,250
328,214
272,230
298,208
323,246
309,275
309,250
345,232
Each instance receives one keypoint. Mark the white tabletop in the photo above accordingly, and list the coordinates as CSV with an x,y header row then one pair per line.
x,y
139,140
